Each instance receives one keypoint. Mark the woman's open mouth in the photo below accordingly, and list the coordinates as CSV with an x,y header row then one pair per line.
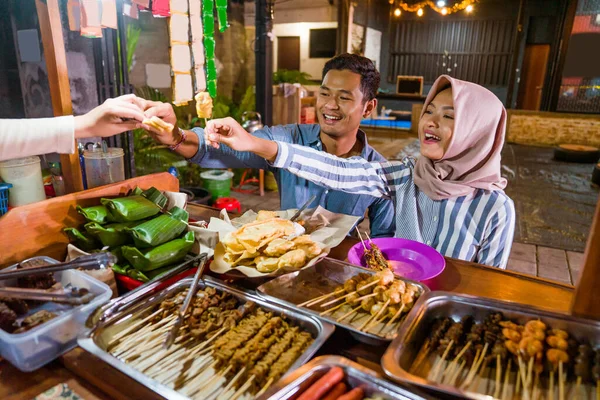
x,y
431,138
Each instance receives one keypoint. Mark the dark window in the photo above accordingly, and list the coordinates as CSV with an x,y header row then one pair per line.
x,y
322,43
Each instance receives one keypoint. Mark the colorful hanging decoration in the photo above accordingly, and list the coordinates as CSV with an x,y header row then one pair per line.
x,y
181,59
208,22
222,15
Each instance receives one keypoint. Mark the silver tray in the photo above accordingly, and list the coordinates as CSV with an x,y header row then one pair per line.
x,y
400,355
96,340
356,375
300,286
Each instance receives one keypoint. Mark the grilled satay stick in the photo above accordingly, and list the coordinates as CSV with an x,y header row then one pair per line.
x,y
506,378
376,319
383,278
353,311
321,298
498,376
438,364
561,381
471,376
347,302
450,369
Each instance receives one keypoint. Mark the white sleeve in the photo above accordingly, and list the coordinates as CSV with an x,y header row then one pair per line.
x,y
27,137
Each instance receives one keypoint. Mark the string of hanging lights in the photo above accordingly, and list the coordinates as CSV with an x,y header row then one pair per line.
x,y
441,6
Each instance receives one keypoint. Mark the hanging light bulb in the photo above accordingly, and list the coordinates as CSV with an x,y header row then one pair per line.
x,y
441,3
391,1
397,12
420,12
444,11
469,8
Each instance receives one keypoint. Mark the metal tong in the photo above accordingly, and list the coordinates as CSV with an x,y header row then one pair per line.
x,y
185,307
295,216
115,306
74,296
92,261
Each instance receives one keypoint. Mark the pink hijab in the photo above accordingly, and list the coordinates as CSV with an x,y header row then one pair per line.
x,y
472,160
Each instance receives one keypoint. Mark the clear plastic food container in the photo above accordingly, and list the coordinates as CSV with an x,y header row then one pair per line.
x,y
34,348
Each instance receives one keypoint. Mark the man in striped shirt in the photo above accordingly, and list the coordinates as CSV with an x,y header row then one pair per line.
x,y
347,95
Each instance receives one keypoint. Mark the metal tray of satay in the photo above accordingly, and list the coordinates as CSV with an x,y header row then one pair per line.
x,y
132,342
324,282
355,375
496,350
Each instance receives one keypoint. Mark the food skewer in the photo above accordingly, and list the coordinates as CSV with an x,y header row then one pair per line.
x,y
319,299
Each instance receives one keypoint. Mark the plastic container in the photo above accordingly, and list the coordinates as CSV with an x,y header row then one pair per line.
x,y
35,348
104,168
217,182
4,197
25,174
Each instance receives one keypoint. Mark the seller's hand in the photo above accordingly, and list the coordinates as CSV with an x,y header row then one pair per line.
x,y
165,112
229,132
112,117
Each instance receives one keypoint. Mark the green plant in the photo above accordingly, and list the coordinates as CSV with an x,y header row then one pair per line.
x,y
133,35
290,76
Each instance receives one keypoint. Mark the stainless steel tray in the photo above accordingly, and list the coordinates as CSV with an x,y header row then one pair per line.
x,y
96,340
356,375
399,357
300,286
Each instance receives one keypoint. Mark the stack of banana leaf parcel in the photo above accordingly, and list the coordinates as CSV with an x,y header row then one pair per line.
x,y
146,240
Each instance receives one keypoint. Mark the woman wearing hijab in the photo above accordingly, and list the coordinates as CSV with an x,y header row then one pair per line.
x,y
451,198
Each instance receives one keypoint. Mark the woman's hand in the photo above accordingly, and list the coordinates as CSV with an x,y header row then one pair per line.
x,y
165,112
112,117
229,132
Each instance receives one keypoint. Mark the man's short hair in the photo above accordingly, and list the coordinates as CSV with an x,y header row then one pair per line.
x,y
369,76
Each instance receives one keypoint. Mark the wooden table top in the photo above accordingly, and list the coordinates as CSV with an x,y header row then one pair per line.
x,y
458,276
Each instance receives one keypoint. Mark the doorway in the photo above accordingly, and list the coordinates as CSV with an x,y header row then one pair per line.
x,y
288,52
533,74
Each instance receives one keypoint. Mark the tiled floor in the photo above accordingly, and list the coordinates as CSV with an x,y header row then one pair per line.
x,y
544,262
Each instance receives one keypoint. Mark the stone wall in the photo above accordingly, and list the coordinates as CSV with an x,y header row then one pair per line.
x,y
551,129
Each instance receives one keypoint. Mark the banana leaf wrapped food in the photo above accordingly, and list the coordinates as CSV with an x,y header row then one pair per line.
x,y
131,272
111,235
81,240
160,256
136,207
160,229
97,214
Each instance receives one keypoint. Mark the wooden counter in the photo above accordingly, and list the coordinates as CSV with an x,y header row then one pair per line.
x,y
459,276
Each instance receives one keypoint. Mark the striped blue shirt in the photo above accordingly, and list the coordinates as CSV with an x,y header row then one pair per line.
x,y
478,227
295,191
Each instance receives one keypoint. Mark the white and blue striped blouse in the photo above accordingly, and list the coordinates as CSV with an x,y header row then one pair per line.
x,y
478,227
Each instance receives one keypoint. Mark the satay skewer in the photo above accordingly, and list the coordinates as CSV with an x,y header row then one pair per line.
x,y
375,320
368,285
506,379
243,388
319,299
469,381
598,389
450,368
353,311
561,381
498,376
367,296
551,386
438,366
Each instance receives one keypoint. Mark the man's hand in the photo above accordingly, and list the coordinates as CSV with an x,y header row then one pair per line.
x,y
165,112
112,117
229,132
